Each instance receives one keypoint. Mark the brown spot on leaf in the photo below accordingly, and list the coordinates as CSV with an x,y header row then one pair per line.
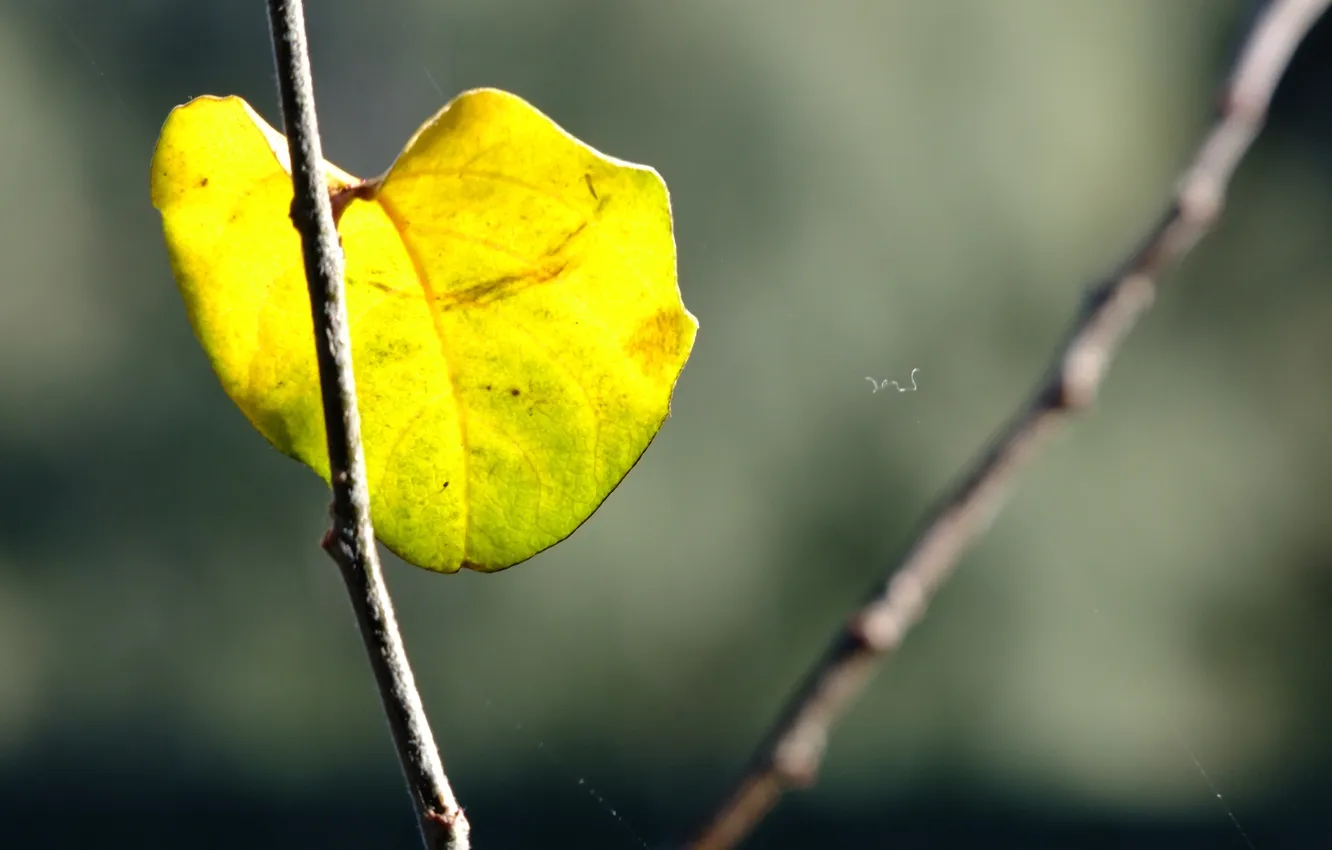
x,y
593,189
514,392
203,182
655,344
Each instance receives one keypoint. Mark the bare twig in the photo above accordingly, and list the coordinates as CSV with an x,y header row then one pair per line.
x,y
790,755
351,540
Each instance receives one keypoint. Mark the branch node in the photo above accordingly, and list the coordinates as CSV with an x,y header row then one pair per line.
x,y
797,761
861,629
1201,200
445,819
1081,376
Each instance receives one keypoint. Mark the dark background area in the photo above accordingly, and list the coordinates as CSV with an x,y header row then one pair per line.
x,y
860,189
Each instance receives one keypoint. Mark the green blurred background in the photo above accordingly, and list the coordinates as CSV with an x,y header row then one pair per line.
x,y
861,189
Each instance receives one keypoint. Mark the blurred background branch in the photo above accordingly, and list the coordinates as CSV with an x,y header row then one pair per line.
x,y
791,755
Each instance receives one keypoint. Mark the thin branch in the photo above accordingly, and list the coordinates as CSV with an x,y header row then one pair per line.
x,y
351,540
790,755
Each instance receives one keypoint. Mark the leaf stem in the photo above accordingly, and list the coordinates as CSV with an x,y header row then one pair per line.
x,y
790,755
351,539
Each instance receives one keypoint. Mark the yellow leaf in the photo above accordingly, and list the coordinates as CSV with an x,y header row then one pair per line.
x,y
517,329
